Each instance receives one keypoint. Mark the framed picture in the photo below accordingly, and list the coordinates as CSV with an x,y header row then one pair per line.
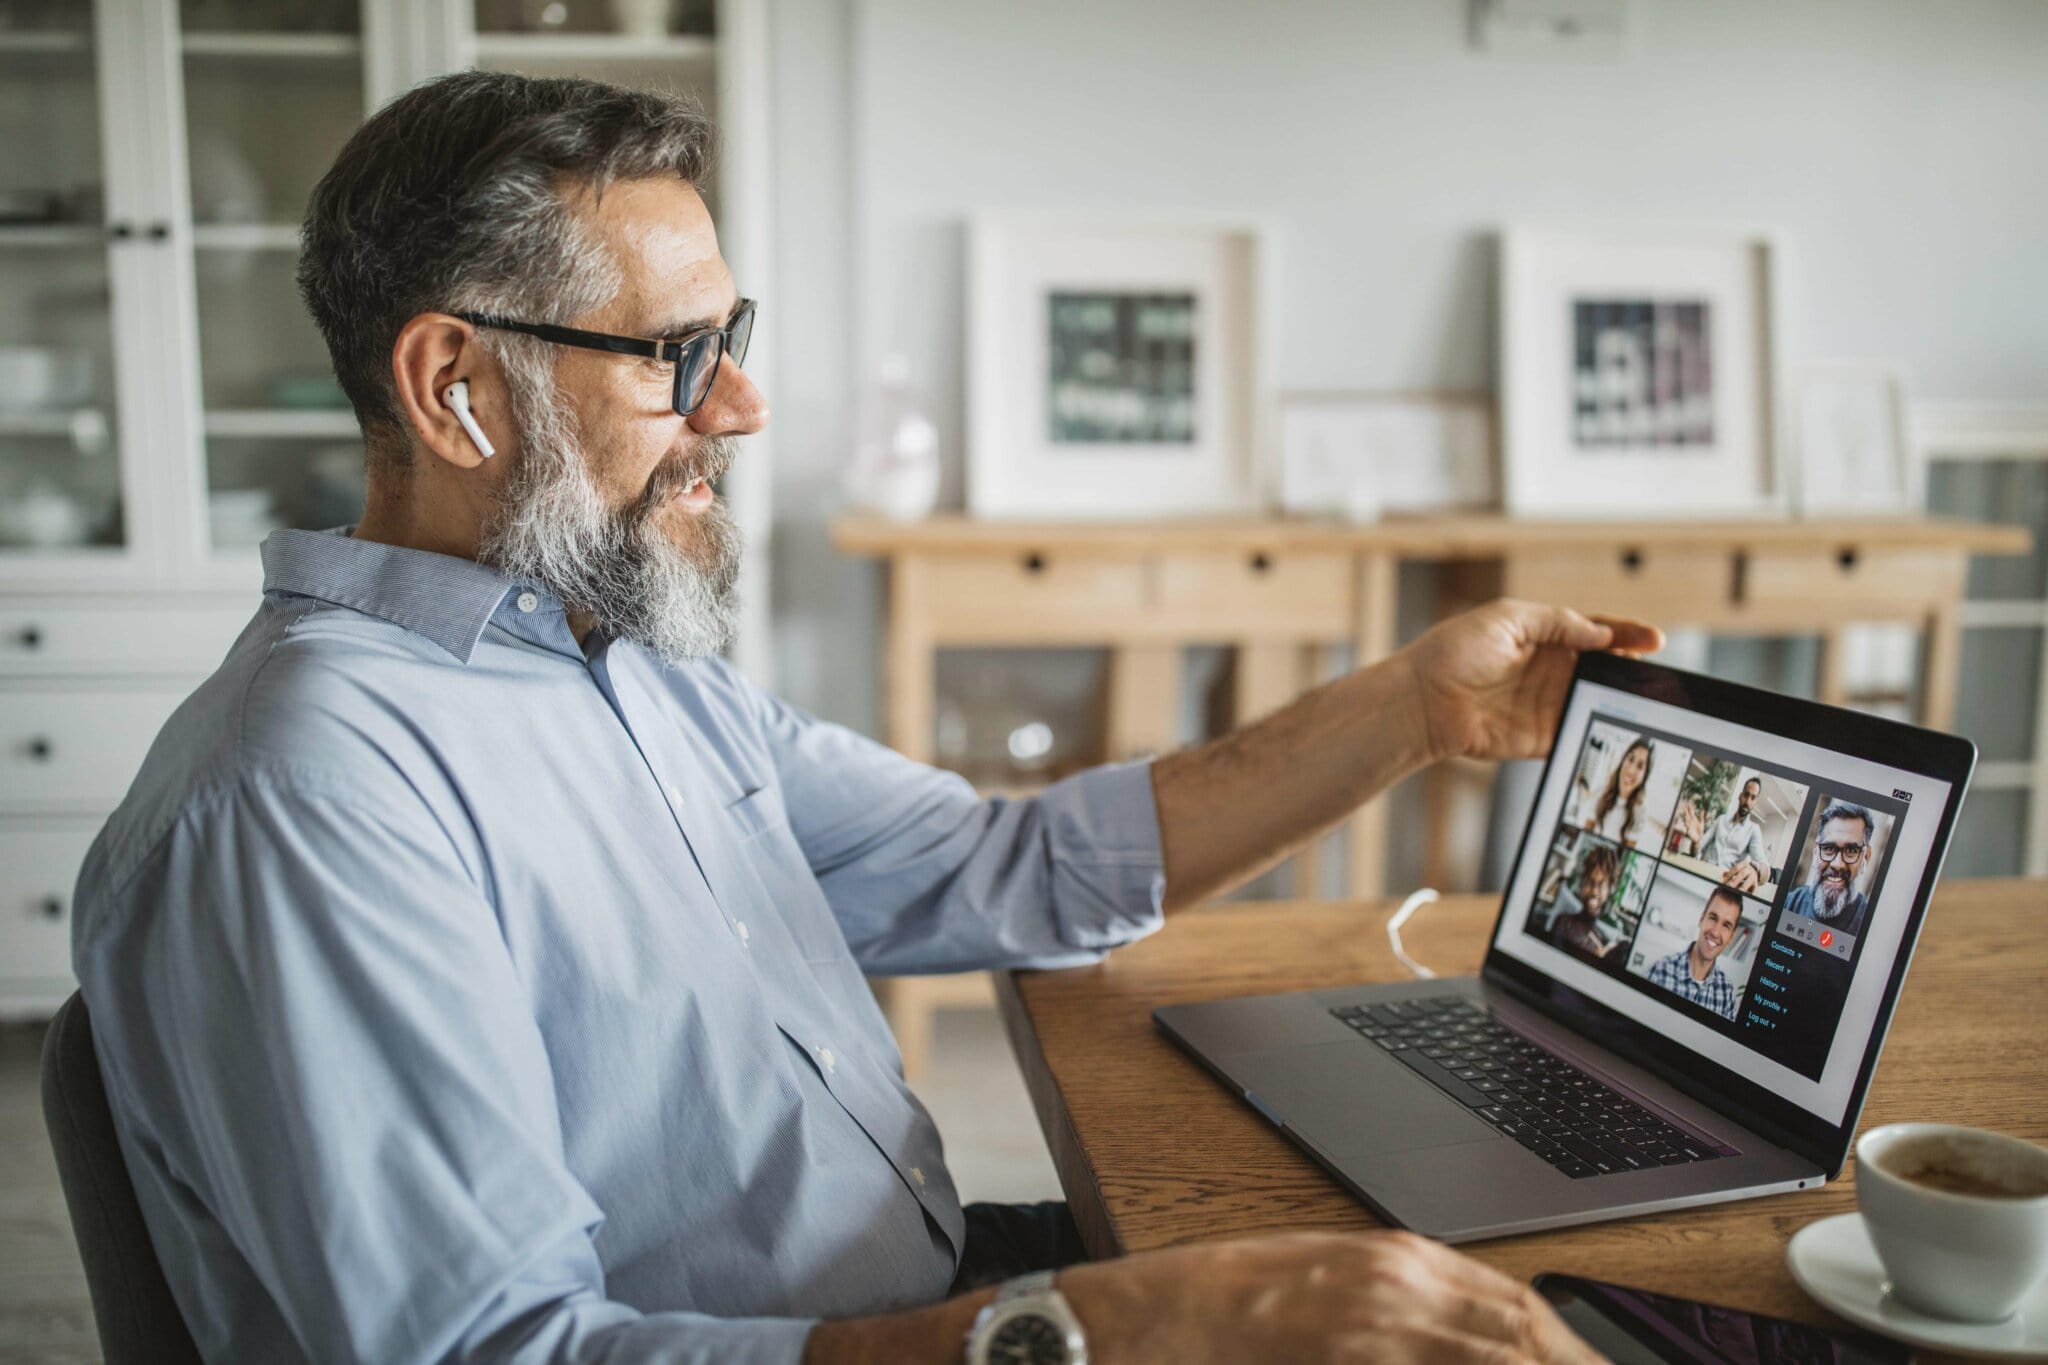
x,y
1360,456
1637,373
1847,439
1117,367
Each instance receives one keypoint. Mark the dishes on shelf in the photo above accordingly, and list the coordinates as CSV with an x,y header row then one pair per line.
x,y
39,377
45,517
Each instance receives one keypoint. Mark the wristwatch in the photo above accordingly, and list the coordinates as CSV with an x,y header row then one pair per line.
x,y
1029,1322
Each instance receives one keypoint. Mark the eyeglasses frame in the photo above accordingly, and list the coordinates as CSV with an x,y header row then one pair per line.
x,y
671,351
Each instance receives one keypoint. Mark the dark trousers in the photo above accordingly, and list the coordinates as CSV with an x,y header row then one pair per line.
x,y
1007,1240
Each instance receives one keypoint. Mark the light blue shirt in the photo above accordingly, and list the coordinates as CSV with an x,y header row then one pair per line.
x,y
464,993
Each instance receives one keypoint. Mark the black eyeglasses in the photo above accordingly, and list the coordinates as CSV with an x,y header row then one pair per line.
x,y
696,356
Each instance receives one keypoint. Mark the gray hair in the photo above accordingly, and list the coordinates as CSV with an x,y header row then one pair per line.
x,y
1846,810
460,196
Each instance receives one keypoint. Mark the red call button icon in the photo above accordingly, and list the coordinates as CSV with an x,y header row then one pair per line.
x,y
1827,936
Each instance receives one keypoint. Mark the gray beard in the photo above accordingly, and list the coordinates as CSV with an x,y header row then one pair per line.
x,y
552,526
1832,900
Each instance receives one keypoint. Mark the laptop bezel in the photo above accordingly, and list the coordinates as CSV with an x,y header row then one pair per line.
x,y
1949,758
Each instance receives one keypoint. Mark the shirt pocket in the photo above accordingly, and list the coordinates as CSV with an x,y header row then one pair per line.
x,y
767,848
757,812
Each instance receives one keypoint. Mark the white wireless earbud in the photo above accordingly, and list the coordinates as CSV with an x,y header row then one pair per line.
x,y
458,399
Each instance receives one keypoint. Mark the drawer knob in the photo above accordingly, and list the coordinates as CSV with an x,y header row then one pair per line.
x,y
1034,562
1261,561
52,907
40,749
31,637
1631,560
1846,557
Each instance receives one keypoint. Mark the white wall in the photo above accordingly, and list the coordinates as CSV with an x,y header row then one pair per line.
x,y
1900,148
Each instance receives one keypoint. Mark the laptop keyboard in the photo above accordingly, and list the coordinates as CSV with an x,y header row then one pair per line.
x,y
1525,1091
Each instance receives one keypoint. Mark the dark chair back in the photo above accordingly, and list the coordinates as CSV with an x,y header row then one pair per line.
x,y
138,1320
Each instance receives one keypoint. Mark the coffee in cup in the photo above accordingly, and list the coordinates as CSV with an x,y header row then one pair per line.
x,y
1959,1216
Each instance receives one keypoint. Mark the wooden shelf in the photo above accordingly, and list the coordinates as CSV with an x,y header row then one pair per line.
x,y
593,47
274,46
1443,538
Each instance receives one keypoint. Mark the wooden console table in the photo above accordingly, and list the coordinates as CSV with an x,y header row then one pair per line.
x,y
1283,592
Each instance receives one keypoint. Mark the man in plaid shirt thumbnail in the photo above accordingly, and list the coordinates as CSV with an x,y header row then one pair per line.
x,y
1692,971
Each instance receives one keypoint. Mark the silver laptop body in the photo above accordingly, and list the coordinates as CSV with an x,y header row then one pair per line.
x,y
1564,1085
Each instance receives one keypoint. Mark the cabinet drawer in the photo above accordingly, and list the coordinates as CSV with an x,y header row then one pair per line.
x,y
37,638
1257,592
1862,583
38,868
1060,595
1671,586
78,749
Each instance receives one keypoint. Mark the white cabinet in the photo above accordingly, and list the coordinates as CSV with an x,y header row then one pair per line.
x,y
165,400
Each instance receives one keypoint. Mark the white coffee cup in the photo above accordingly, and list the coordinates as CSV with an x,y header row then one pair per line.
x,y
1967,1256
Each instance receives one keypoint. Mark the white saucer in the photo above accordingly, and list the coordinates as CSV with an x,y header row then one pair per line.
x,y
1834,1261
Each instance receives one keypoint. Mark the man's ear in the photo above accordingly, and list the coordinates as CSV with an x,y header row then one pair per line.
x,y
434,351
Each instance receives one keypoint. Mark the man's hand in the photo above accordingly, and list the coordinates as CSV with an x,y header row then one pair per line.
x,y
1380,1297
1692,821
1742,877
1388,1298
1491,682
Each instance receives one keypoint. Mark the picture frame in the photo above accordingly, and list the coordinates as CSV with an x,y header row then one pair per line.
x,y
1846,441
1638,372
1361,456
1117,366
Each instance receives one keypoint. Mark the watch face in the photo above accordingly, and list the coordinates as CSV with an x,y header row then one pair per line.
x,y
1028,1339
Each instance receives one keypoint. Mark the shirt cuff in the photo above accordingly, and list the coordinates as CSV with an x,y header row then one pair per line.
x,y
1108,873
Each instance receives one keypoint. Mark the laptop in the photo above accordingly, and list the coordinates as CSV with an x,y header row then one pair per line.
x,y
1702,938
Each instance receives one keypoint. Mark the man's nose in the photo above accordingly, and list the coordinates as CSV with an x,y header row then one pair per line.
x,y
734,407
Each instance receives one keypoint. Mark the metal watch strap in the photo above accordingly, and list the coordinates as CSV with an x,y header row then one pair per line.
x,y
1017,1288
1052,1306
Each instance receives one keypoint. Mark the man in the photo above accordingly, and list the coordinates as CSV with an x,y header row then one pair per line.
x,y
1734,840
1840,845
476,963
1694,971
1579,913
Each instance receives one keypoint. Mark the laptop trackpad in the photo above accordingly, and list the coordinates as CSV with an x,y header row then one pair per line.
x,y
1348,1098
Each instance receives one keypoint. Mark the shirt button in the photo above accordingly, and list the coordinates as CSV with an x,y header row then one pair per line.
x,y
825,1056
527,601
740,928
675,798
918,1176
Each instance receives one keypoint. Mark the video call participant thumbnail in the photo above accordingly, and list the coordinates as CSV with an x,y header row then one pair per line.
x,y
1694,971
1582,900
1625,786
1840,860
1733,840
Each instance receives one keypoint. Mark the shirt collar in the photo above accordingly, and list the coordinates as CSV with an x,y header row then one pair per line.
x,y
447,599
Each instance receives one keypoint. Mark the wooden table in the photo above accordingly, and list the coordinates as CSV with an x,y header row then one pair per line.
x,y
1291,596
1153,1152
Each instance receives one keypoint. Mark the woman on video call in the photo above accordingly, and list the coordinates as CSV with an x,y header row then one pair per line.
x,y
1618,814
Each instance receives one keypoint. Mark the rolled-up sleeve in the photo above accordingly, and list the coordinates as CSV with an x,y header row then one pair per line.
x,y
926,876
330,1087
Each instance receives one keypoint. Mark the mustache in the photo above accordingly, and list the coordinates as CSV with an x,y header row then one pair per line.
x,y
709,461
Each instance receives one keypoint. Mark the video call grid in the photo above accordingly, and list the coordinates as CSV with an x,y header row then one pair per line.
x,y
1774,912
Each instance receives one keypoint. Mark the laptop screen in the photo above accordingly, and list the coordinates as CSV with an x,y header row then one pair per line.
x,y
1741,892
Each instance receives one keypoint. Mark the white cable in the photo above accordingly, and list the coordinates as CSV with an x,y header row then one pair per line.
x,y
1415,901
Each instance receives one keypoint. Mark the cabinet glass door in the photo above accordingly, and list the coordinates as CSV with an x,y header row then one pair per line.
x,y
273,88
61,483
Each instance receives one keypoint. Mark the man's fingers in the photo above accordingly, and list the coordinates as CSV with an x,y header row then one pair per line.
x,y
1632,636
1563,626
